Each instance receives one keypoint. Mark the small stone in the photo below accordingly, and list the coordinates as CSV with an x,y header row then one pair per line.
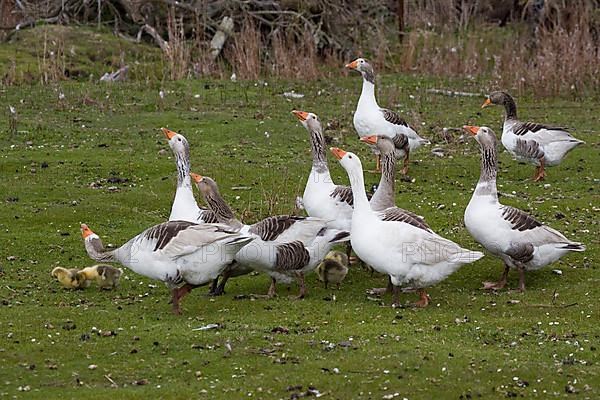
x,y
92,366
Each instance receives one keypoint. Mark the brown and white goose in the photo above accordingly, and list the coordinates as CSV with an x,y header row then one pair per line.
x,y
370,119
184,206
541,145
518,239
182,254
269,232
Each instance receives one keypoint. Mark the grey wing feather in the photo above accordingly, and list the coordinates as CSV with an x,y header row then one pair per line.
x,y
165,232
523,128
519,220
400,141
270,228
291,256
393,118
522,252
400,215
529,148
344,194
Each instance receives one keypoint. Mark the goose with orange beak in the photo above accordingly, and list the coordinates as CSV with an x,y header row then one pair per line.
x,y
530,142
371,119
397,243
522,242
322,198
184,207
182,254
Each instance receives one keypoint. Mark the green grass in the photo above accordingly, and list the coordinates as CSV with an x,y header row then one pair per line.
x,y
468,342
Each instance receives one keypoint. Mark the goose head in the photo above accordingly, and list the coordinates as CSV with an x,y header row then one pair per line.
x,y
87,234
207,186
498,98
177,142
361,65
485,136
383,143
348,160
309,120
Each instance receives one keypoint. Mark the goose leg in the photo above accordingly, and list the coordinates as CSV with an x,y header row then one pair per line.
x,y
213,287
396,296
271,293
500,284
220,289
423,299
540,172
521,269
404,169
351,259
180,293
300,277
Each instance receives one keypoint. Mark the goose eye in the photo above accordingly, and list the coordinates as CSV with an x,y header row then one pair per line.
x,y
179,139
349,156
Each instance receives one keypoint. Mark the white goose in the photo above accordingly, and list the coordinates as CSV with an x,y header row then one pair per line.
x,y
370,119
396,243
184,206
385,195
269,232
507,232
322,198
537,144
182,254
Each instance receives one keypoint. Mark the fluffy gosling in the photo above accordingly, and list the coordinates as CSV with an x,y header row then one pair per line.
x,y
70,278
333,268
106,276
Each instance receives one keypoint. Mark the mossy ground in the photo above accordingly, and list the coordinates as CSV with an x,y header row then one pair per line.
x,y
541,343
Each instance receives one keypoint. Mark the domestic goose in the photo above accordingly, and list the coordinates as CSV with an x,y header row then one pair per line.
x,y
370,119
385,195
184,206
541,145
518,239
275,229
396,243
182,254
322,198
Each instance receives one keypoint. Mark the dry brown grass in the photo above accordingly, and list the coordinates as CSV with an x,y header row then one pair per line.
x,y
557,55
246,51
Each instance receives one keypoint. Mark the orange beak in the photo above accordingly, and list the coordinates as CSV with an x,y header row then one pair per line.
x,y
471,129
169,134
197,178
301,115
369,139
486,103
338,153
352,65
85,231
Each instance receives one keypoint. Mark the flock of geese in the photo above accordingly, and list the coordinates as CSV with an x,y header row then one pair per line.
x,y
197,246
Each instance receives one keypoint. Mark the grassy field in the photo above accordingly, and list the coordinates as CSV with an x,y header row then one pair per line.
x,y
56,343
